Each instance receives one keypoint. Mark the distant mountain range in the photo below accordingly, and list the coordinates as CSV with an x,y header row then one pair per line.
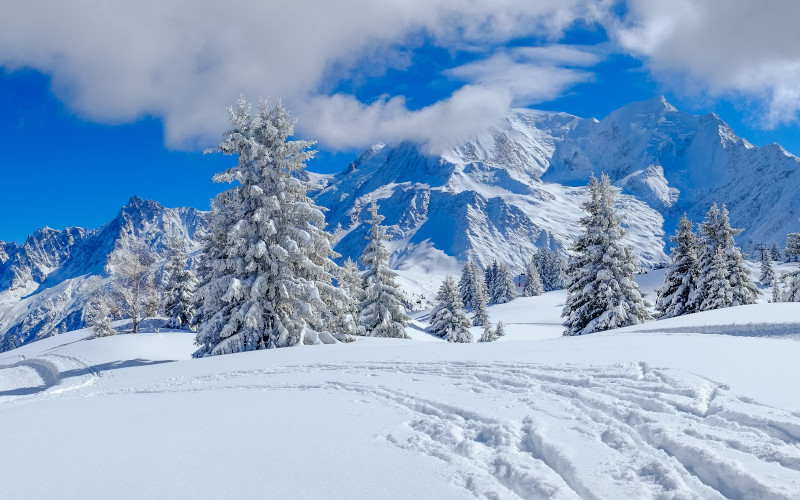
x,y
500,195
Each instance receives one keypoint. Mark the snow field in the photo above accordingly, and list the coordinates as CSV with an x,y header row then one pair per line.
x,y
658,410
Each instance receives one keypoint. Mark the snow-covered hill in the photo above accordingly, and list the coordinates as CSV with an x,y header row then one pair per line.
x,y
700,406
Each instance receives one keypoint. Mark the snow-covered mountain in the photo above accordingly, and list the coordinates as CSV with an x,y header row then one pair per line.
x,y
517,186
44,283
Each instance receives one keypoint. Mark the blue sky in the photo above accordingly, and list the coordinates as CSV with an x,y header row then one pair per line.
x,y
122,101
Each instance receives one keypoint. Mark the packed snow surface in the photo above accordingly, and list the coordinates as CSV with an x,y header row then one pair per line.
x,y
701,406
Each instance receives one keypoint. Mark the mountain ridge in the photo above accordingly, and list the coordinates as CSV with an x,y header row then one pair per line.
x,y
515,187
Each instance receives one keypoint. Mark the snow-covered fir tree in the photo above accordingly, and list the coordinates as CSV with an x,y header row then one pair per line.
x,y
793,247
382,312
777,289
131,268
98,315
349,310
792,293
9,342
480,313
533,283
500,331
179,307
489,278
551,268
448,319
767,271
775,253
505,290
214,269
718,235
602,293
676,296
266,280
719,291
473,292
466,285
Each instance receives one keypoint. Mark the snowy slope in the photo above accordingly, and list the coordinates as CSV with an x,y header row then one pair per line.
x,y
661,410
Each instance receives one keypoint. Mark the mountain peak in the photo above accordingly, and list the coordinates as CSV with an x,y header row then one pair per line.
x,y
642,111
138,204
661,101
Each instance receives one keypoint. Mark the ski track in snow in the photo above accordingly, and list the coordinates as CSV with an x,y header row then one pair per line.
x,y
54,374
537,431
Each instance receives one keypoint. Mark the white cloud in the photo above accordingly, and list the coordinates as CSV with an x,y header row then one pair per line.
x,y
530,74
185,61
346,122
735,48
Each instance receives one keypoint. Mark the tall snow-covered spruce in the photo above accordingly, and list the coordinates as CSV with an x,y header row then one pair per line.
x,y
551,269
474,294
601,291
382,312
504,289
676,296
178,292
718,236
347,310
448,319
266,279
533,283
767,271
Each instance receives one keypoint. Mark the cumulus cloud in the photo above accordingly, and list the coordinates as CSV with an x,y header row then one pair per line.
x,y
185,61
735,48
